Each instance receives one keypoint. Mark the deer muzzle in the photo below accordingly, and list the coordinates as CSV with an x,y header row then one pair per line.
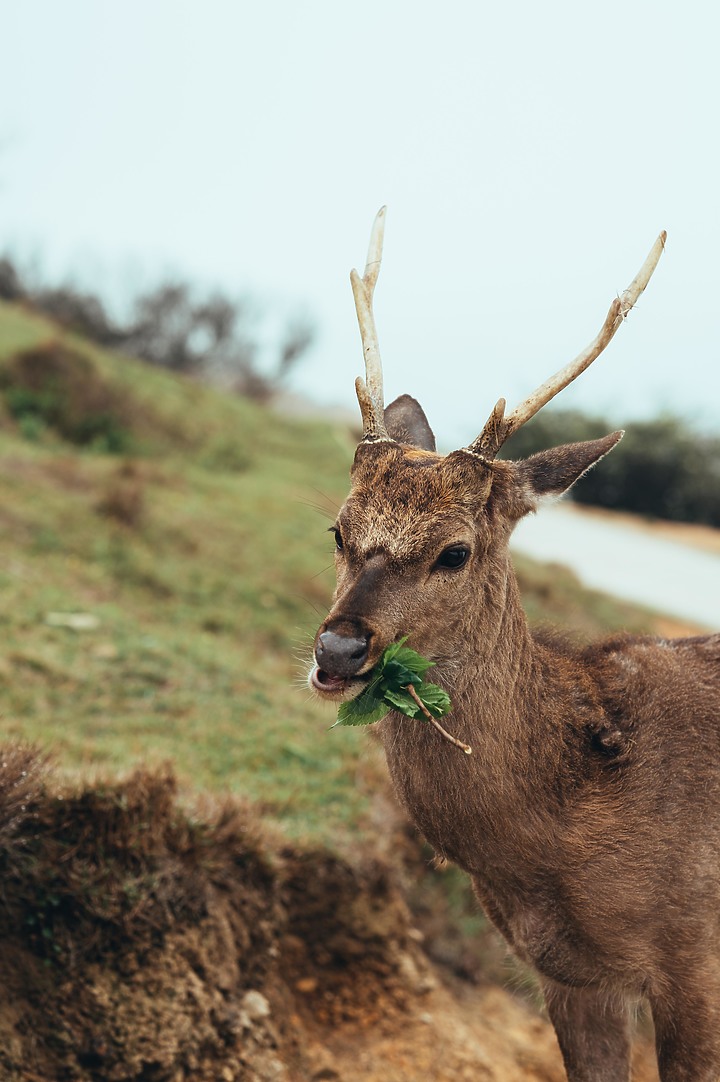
x,y
340,654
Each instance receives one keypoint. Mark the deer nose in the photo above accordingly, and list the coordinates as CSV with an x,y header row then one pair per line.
x,y
340,655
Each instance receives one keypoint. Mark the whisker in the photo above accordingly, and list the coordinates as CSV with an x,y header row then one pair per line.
x,y
330,506
323,572
310,603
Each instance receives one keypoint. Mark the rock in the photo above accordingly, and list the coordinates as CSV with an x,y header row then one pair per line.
x,y
256,1006
323,1066
76,621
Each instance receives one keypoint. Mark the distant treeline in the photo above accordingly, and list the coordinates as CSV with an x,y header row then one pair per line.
x,y
662,468
211,336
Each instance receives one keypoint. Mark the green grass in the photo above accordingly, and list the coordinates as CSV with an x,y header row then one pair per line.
x,y
205,603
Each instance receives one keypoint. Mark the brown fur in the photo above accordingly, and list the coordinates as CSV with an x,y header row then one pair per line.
x,y
588,815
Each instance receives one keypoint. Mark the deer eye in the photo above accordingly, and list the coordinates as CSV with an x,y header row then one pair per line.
x,y
338,538
453,558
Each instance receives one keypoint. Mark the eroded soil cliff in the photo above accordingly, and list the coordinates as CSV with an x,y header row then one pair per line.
x,y
140,940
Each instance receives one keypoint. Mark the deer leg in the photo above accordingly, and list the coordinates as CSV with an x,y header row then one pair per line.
x,y
687,1033
593,1033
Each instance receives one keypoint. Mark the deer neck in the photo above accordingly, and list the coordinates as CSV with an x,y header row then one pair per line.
x,y
499,684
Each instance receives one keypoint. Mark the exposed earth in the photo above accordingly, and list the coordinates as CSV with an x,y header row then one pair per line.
x,y
142,940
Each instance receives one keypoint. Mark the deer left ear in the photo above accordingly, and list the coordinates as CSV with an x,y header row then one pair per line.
x,y
552,472
406,422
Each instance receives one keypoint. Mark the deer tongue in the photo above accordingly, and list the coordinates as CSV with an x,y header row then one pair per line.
x,y
323,681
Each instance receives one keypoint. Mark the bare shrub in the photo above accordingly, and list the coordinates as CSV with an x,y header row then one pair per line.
x,y
11,285
81,312
211,335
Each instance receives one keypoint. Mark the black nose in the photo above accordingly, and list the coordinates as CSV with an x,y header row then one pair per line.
x,y
340,655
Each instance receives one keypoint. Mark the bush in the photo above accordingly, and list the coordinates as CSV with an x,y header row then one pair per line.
x,y
55,387
11,287
662,468
82,313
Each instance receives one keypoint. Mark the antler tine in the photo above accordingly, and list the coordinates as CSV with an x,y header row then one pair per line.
x,y
370,389
499,427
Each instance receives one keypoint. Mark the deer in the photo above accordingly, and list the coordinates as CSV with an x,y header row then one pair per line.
x,y
588,812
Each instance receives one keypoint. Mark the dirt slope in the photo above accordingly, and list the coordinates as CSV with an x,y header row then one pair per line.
x,y
142,940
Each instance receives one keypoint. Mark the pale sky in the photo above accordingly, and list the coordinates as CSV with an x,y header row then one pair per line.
x,y
529,154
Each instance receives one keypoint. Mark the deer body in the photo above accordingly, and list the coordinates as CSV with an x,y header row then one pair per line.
x,y
585,856
588,814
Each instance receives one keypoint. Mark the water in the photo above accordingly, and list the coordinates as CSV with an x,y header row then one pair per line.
x,y
668,576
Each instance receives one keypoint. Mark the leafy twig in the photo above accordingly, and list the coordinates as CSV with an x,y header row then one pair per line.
x,y
397,683
434,721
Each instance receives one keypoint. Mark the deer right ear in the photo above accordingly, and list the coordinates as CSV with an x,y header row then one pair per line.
x,y
553,472
406,422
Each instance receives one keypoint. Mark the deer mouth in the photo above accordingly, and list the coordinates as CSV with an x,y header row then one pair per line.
x,y
336,689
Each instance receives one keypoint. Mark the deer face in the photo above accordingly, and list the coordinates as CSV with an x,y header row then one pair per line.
x,y
421,548
411,543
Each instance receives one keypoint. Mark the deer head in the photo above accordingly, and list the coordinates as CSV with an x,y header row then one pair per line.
x,y
421,541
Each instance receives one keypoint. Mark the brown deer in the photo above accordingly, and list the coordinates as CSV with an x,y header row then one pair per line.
x,y
588,814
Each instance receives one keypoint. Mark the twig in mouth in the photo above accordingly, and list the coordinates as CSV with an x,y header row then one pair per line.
x,y
434,721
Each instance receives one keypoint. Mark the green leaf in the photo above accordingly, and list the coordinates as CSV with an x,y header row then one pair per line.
x,y
403,702
396,675
390,651
352,714
435,699
398,668
413,661
369,706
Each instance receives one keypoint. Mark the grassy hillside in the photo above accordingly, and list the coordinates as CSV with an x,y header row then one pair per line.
x,y
158,605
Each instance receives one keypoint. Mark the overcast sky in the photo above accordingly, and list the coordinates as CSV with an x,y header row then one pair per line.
x,y
529,155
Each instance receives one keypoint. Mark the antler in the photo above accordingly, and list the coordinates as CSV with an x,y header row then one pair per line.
x,y
370,389
499,427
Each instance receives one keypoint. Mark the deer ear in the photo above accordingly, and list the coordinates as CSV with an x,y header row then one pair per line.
x,y
552,472
406,422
